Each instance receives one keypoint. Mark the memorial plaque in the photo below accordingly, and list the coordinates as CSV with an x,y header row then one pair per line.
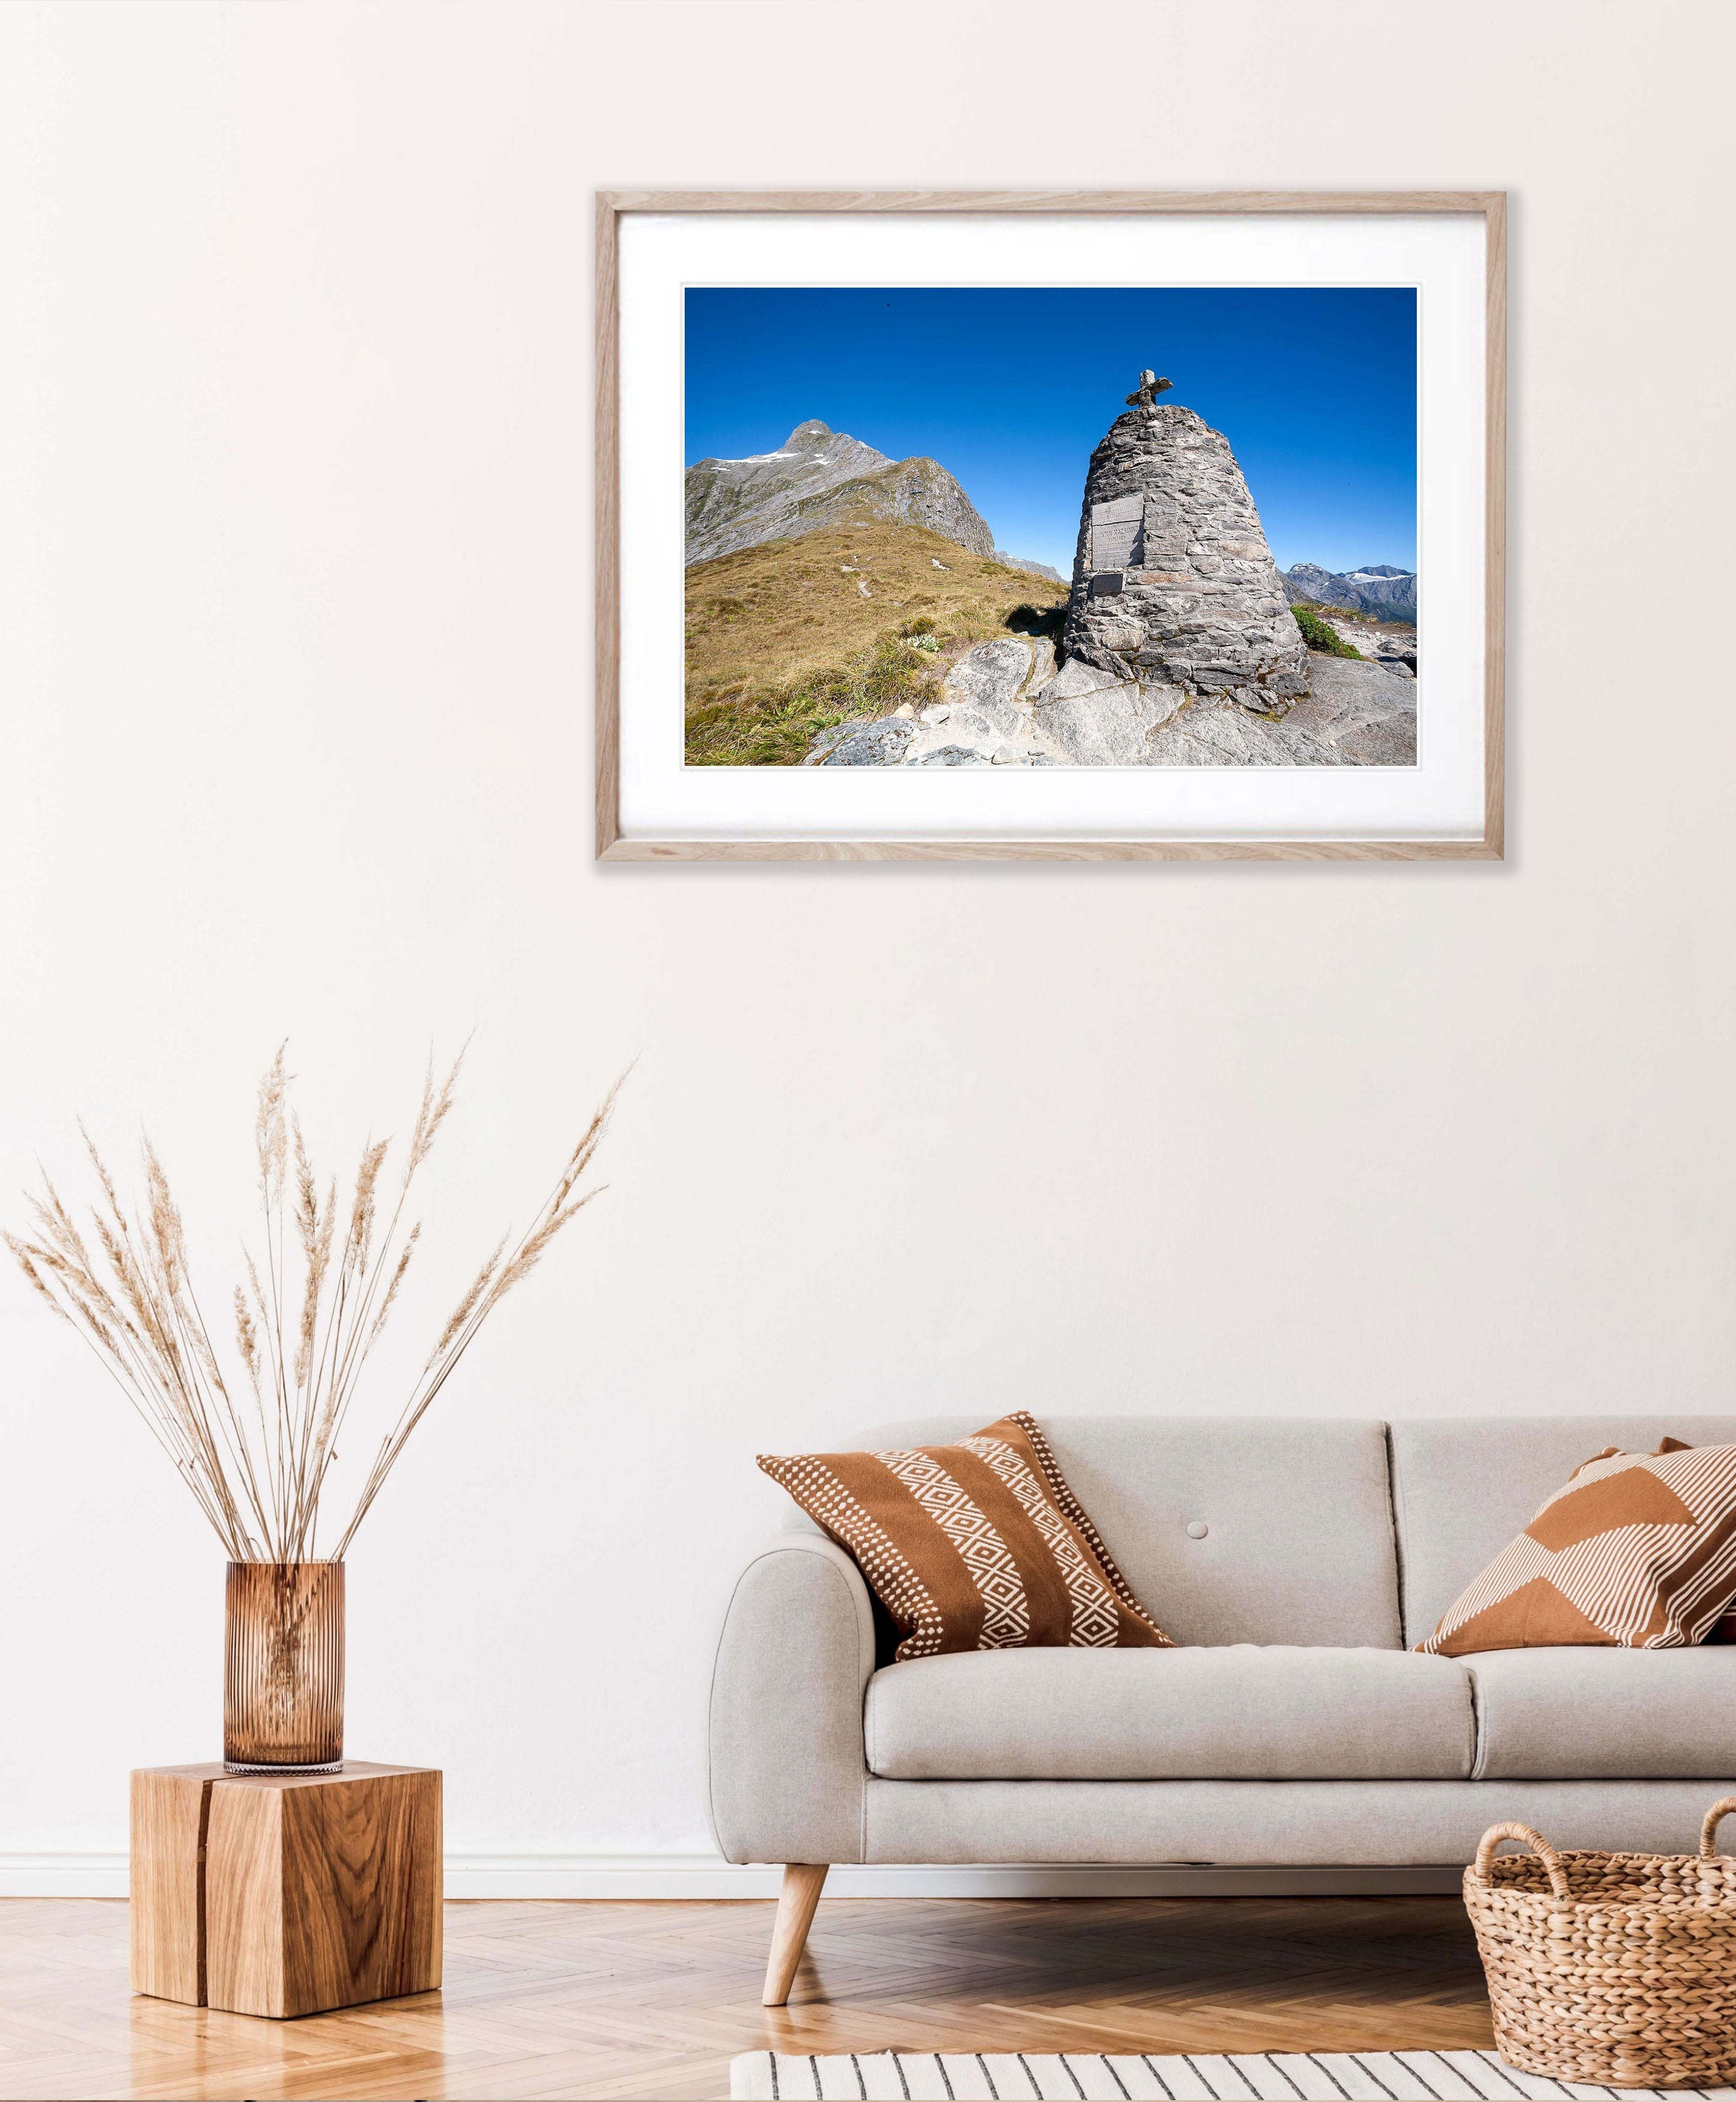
x,y
1106,585
1115,533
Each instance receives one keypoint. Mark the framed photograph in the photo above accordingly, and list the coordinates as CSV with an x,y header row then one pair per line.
x,y
1056,527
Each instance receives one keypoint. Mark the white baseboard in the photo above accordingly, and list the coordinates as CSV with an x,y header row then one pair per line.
x,y
63,1875
704,1876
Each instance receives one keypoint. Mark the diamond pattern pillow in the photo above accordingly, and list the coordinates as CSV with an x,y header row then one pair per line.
x,y
1638,1551
977,1545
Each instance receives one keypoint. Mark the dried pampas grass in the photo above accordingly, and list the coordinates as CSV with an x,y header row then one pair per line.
x,y
255,1450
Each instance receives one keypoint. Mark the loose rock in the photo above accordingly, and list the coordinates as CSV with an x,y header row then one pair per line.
x,y
881,742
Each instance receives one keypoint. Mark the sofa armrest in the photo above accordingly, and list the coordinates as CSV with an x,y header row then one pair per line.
x,y
788,1773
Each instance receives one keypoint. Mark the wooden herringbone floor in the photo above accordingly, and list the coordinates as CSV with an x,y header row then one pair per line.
x,y
651,2000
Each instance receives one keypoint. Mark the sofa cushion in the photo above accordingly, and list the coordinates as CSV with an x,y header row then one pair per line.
x,y
1603,1714
1235,1529
1463,1487
1236,1713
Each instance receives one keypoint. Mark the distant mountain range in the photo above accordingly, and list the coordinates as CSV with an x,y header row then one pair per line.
x,y
820,477
1378,588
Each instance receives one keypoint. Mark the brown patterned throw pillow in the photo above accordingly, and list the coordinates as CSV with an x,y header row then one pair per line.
x,y
1723,1630
1638,1551
977,1545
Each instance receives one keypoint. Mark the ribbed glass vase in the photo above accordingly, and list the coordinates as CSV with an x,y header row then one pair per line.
x,y
283,1668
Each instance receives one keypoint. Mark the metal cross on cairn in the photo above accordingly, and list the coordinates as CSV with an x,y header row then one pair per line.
x,y
1149,387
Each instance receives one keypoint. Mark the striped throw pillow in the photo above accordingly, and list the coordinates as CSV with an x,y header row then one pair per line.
x,y
1638,1551
1723,1630
977,1545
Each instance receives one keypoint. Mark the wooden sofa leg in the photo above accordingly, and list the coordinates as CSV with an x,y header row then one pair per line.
x,y
802,1884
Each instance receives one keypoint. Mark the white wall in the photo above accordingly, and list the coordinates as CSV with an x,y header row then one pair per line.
x,y
294,493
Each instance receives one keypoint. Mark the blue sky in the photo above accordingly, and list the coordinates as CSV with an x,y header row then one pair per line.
x,y
1010,390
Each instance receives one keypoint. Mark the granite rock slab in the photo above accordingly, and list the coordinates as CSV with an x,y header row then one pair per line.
x,y
991,713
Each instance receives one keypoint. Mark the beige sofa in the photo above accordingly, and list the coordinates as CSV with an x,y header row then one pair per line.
x,y
1297,1561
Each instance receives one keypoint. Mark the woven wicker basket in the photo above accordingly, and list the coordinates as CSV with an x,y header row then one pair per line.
x,y
1616,1969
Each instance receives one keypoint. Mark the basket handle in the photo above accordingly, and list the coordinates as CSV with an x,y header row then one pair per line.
x,y
1709,1830
1540,1848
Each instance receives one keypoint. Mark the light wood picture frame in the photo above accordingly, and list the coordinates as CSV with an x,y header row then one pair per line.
x,y
1481,837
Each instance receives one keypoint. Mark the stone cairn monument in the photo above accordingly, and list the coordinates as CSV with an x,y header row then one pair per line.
x,y
1173,583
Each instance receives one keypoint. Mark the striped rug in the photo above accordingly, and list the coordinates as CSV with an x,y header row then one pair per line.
x,y
1073,2075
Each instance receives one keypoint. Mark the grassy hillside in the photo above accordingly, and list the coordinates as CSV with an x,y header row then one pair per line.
x,y
788,638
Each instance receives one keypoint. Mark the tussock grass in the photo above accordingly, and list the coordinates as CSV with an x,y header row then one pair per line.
x,y
805,651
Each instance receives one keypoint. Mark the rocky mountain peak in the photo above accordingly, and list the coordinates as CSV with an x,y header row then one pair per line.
x,y
819,476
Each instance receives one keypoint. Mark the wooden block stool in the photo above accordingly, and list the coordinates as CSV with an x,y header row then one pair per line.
x,y
285,1894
